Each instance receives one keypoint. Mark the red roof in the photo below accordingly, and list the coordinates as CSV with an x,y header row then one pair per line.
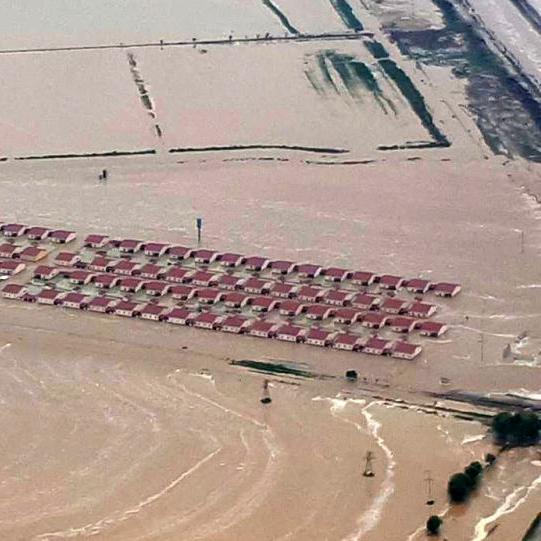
x,y
318,310
404,322
390,280
393,304
309,292
290,306
13,289
364,299
282,266
180,251
181,290
101,301
37,231
234,321
263,302
235,297
289,330
202,276
126,306
64,257
155,286
129,244
431,326
318,334
176,273
446,287
335,272
8,249
131,283
32,251
13,228
421,308
417,284
49,294
282,289
95,239
154,247
153,309
125,265
230,258
377,343
207,317
337,295
364,277
228,280
346,339
79,275
179,313
308,269
206,255
61,234
374,318
43,269
9,265
256,261
100,261
151,269
255,283
74,297
404,347
261,325
208,293
105,279
346,313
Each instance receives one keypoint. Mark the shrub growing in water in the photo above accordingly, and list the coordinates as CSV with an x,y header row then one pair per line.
x,y
433,525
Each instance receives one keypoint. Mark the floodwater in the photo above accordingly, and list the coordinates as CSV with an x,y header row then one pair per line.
x,y
121,430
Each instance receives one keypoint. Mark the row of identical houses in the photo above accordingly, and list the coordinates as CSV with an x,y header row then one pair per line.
x,y
59,236
235,324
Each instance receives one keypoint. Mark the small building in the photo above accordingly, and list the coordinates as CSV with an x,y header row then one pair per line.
x,y
61,236
347,315
67,259
338,297
44,272
101,264
236,299
130,246
177,275
310,294
255,286
156,288
179,316
307,270
182,292
96,241
37,233
388,281
13,291
377,346
282,267
209,295
422,309
256,263
127,309
401,324
262,329
231,260
205,257
14,230
179,253
102,304
405,350
155,249
49,296
319,312
365,301
434,329
373,320
393,305
9,251
74,300
153,311
319,337
33,254
230,283
204,278
283,291
363,278
264,304
446,289
347,342
335,274
80,277
417,285
152,272
131,285
126,267
106,281
208,320
27,297
11,268
290,333
291,308
235,324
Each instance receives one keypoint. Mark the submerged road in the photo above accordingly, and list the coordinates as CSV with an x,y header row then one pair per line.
x,y
350,35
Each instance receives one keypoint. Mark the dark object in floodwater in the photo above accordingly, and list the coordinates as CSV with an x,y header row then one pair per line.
x,y
266,400
351,375
368,471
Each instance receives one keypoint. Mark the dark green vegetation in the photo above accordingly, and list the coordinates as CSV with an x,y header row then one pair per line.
x,y
461,485
347,15
433,525
317,150
112,154
283,19
517,428
534,531
507,114
273,368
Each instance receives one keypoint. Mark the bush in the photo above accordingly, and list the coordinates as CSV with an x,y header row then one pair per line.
x,y
473,471
517,428
459,487
490,459
433,525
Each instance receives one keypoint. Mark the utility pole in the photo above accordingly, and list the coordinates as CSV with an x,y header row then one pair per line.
x,y
266,399
429,480
199,225
368,470
522,242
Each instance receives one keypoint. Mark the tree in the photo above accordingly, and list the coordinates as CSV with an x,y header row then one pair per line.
x,y
459,487
490,459
351,374
433,525
473,471
517,428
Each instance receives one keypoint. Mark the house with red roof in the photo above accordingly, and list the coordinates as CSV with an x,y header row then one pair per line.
x,y
401,324
434,329
80,277
363,278
9,251
307,270
44,272
392,305
126,308
33,253
318,312
49,296
373,320
347,315
61,236
14,230
235,324
204,278
155,249
126,267
421,309
76,301
365,301
177,275
209,295
264,304
335,274
405,350
291,308
11,268
229,259
131,285
319,337
446,289
282,267
256,263
230,283
13,291
103,305
37,233
152,311
262,329
179,253
179,316
156,288
208,320
101,264
290,333
130,246
347,342
106,281
67,259
152,272
182,292
255,286
96,241
235,299
310,294
283,291
205,257
388,281
417,285
377,346
338,297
